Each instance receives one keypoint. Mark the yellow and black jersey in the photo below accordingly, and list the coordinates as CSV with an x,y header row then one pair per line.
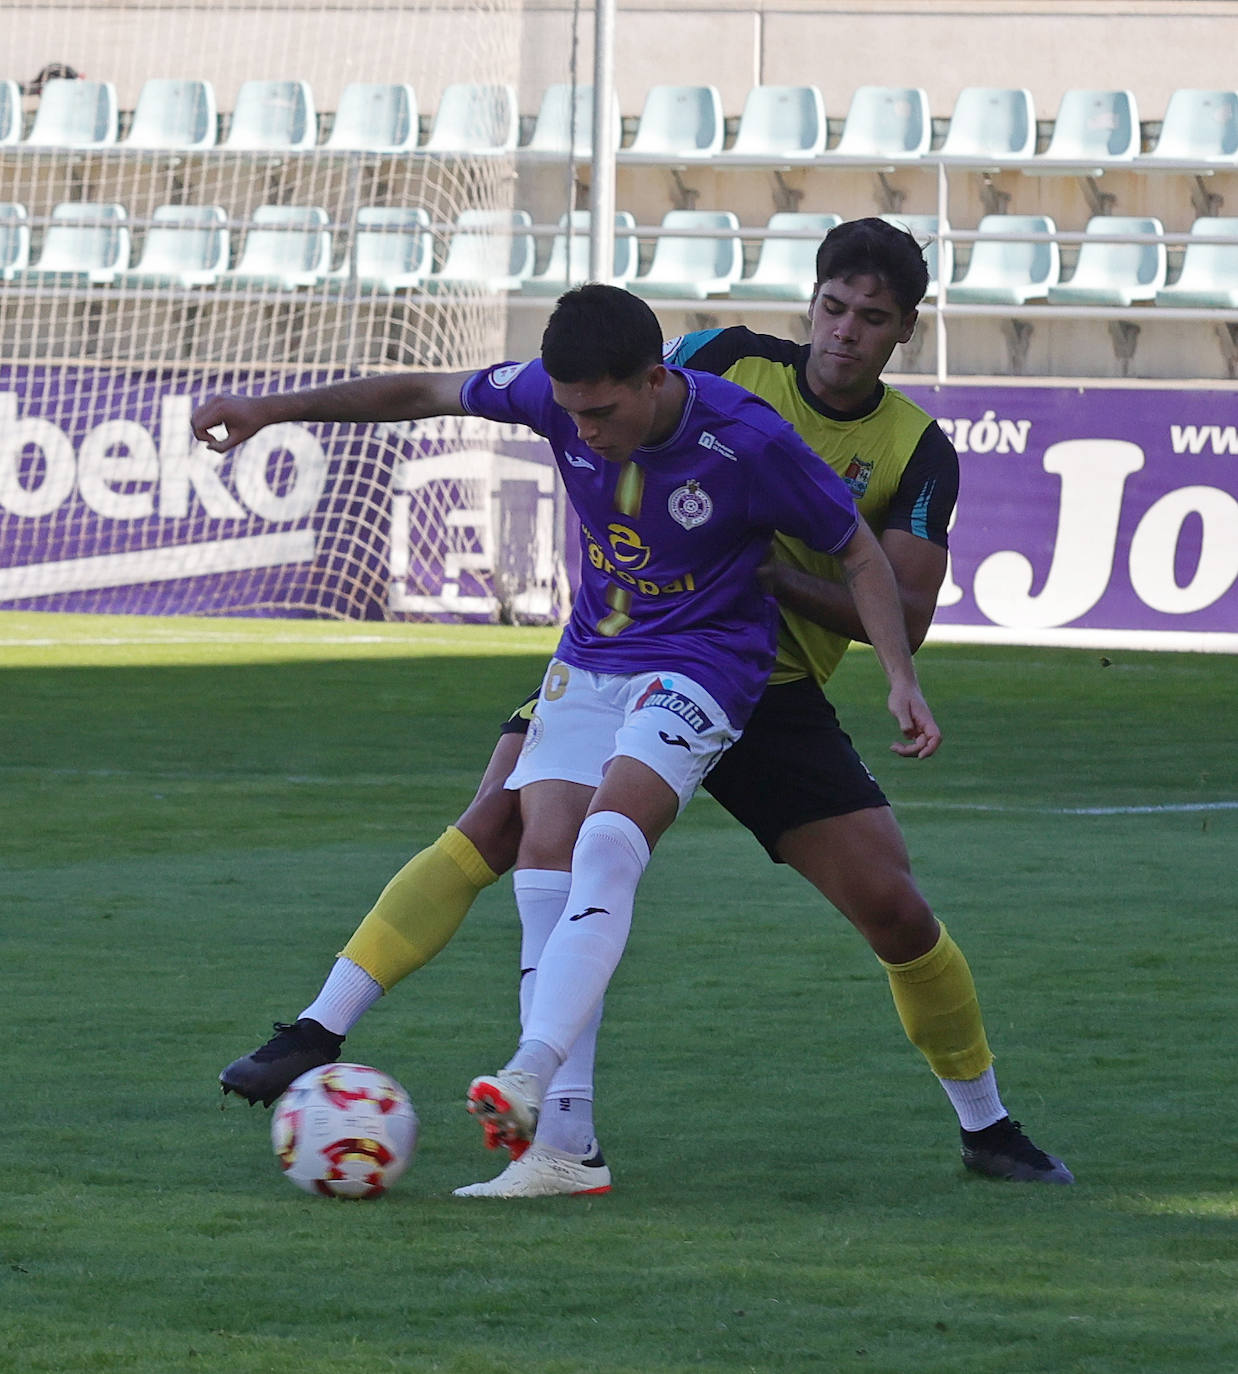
x,y
897,462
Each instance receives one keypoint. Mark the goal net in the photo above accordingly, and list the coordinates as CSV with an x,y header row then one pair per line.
x,y
247,197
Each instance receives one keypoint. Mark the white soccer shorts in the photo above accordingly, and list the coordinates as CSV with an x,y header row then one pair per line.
x,y
583,719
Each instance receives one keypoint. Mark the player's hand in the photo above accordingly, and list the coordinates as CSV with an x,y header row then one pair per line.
x,y
921,733
223,422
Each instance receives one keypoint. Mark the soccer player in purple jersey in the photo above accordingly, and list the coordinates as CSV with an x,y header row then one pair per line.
x,y
680,481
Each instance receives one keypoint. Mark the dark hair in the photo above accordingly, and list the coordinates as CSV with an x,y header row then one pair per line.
x,y
598,332
873,247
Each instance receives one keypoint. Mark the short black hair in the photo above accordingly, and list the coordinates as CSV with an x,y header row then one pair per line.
x,y
874,247
598,332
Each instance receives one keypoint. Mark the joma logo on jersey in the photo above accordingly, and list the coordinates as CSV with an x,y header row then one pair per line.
x,y
644,585
663,694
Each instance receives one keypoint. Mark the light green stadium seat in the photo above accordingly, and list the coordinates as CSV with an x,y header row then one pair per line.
x,y
779,123
174,114
1115,273
475,119
886,124
75,114
273,116
991,122
1199,126
1209,275
678,123
938,256
87,242
1093,130
185,246
288,246
491,251
10,112
786,268
375,117
564,125
694,267
1004,270
568,263
14,239
393,251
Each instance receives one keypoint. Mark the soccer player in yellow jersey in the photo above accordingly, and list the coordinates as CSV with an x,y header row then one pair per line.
x,y
794,779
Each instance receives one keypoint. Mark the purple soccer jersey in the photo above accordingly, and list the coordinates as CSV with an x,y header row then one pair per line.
x,y
671,539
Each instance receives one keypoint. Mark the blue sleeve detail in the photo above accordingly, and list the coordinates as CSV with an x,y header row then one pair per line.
x,y
683,348
920,511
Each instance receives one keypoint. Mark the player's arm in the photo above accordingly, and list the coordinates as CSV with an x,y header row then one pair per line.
x,y
870,581
919,568
385,398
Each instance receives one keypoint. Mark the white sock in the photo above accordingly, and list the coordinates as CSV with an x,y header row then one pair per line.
x,y
344,998
541,895
586,945
975,1099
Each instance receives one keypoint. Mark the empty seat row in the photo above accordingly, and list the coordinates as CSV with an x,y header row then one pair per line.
x,y
697,255
884,124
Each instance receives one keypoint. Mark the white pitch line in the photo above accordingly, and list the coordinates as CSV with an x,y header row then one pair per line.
x,y
1166,809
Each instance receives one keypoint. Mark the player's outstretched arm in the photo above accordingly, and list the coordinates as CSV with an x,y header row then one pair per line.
x,y
872,585
387,398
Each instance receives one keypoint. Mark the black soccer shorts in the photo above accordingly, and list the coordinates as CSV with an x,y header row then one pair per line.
x,y
793,764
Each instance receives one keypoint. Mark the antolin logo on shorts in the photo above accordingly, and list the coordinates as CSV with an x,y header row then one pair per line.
x,y
662,693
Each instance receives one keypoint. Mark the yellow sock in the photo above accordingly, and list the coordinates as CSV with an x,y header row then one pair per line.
x,y
936,1002
420,909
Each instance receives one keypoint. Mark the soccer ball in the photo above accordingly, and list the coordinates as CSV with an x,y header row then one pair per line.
x,y
344,1130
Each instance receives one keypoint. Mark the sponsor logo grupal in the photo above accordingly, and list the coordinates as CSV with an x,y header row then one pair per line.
x,y
662,693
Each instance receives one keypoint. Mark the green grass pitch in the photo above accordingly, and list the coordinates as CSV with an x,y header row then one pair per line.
x,y
195,814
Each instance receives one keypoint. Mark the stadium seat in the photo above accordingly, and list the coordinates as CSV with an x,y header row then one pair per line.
x,y
375,117
273,116
991,122
694,267
288,246
86,242
10,112
393,251
475,120
678,123
564,127
174,114
75,114
1209,275
938,256
568,264
1093,130
786,269
1004,270
779,123
489,250
186,245
14,239
1199,126
1115,273
886,124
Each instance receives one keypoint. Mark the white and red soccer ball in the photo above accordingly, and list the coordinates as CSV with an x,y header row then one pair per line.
x,y
344,1130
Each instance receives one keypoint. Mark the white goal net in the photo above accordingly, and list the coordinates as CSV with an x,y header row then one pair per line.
x,y
254,196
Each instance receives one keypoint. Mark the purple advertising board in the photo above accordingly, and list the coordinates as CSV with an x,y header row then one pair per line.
x,y
1102,516
1092,516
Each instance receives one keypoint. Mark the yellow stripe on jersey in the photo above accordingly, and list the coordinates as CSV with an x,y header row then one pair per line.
x,y
870,454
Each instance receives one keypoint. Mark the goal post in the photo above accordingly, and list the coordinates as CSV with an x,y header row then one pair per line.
x,y
248,197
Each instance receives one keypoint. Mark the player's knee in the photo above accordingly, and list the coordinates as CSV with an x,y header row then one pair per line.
x,y
492,822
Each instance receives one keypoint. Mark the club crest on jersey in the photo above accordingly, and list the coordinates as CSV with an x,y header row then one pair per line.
x,y
857,474
502,377
661,692
690,505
